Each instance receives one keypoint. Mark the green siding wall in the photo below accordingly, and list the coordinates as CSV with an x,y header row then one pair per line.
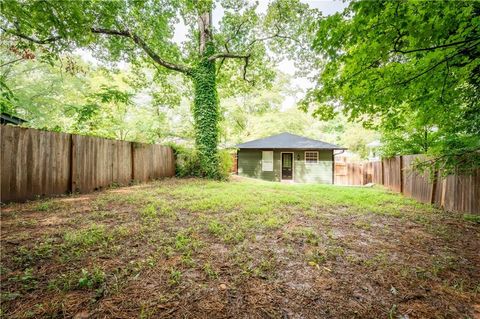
x,y
314,173
250,165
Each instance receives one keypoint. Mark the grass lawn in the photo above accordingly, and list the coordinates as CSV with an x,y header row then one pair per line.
x,y
241,249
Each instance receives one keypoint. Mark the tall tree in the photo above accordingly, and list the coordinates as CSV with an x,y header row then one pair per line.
x,y
408,68
142,31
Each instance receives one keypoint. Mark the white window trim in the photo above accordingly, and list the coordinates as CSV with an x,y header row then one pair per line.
x,y
293,166
305,157
269,168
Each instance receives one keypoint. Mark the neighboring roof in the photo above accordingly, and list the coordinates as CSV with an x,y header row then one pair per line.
x,y
287,140
375,143
10,119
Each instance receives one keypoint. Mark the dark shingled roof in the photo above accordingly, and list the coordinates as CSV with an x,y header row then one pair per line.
x,y
287,140
10,119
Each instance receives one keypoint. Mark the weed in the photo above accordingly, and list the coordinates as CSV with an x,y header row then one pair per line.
x,y
27,279
215,227
235,236
307,234
187,259
317,257
27,256
379,260
92,279
182,241
95,234
8,296
149,212
472,218
45,206
362,224
174,277
209,271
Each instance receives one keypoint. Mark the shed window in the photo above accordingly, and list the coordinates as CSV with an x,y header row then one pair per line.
x,y
267,161
311,157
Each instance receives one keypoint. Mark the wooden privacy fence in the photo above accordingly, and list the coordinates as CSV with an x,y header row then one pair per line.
x,y
37,163
349,174
454,193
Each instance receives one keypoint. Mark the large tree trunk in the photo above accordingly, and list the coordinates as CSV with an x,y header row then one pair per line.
x,y
205,108
206,116
205,31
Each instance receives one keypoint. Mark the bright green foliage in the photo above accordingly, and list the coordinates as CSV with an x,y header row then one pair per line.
x,y
76,97
188,163
91,279
206,115
408,68
141,32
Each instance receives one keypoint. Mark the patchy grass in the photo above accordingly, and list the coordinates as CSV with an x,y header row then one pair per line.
x,y
196,248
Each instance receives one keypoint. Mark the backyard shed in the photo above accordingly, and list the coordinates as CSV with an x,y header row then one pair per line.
x,y
287,157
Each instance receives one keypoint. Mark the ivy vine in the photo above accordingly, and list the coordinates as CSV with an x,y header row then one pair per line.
x,y
206,115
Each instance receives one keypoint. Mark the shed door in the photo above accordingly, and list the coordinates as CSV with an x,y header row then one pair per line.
x,y
287,165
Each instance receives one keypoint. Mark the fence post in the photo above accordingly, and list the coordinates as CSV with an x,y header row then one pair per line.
x,y
364,173
72,181
132,154
333,168
401,174
383,173
444,190
434,187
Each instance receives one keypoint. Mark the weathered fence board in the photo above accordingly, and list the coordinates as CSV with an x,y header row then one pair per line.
x,y
99,162
392,173
453,193
37,163
416,185
33,163
377,172
161,163
348,173
459,193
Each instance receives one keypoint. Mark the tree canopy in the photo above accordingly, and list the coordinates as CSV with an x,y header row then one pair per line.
x,y
410,69
141,32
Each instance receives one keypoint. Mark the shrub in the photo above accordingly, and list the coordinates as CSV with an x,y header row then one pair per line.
x,y
225,163
188,163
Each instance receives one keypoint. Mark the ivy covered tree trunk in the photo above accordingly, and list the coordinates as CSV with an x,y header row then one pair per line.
x,y
206,115
205,105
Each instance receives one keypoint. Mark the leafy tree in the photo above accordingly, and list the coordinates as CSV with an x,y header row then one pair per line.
x,y
263,112
141,32
410,69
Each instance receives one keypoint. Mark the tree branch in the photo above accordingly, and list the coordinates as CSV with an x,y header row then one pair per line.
x,y
227,55
447,71
11,62
122,33
275,35
139,41
28,38
245,66
446,59
435,47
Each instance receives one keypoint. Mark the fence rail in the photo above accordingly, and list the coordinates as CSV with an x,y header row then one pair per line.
x,y
37,163
454,193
